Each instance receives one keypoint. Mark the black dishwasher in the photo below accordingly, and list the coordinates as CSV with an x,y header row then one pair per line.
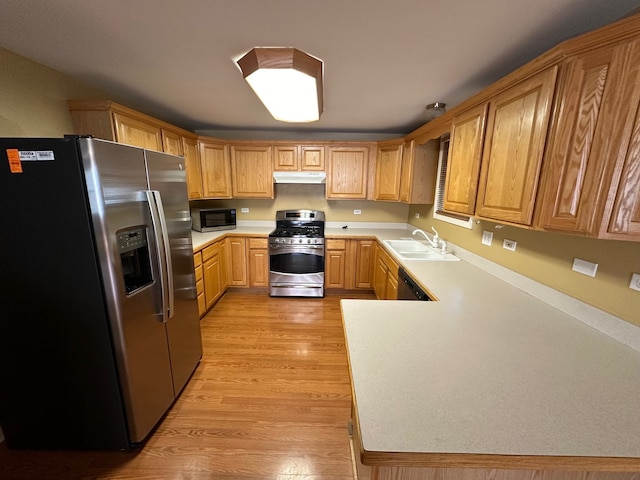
x,y
408,289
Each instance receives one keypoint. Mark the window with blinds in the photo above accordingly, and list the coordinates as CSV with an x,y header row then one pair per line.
x,y
441,181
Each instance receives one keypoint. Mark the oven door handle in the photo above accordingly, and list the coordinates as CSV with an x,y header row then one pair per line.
x,y
308,249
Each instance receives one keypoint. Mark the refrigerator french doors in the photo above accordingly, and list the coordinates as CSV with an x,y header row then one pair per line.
x,y
102,330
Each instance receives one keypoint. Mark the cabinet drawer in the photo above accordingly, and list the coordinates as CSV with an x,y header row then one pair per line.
x,y
197,259
210,251
202,306
200,286
198,271
258,243
336,244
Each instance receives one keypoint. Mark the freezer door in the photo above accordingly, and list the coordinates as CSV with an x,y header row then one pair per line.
x,y
166,174
117,184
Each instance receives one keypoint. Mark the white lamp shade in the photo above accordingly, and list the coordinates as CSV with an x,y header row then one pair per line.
x,y
287,81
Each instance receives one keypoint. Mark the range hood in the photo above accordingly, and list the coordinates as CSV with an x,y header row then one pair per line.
x,y
299,177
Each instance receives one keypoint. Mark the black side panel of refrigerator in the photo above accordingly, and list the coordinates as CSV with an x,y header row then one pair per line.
x,y
58,382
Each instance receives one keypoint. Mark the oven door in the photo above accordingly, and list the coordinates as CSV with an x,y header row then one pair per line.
x,y
296,270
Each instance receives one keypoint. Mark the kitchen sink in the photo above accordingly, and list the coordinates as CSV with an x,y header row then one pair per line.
x,y
410,249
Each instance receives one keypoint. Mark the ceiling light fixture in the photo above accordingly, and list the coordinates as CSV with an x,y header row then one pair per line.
x,y
286,80
434,110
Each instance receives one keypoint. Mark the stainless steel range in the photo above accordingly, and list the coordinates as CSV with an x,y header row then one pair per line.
x,y
296,254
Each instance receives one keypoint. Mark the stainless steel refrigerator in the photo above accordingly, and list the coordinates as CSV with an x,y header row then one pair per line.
x,y
99,325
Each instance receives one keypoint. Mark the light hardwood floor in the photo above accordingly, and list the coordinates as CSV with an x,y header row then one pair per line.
x,y
270,400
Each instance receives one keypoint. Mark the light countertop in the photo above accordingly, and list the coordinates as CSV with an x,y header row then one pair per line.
x,y
487,369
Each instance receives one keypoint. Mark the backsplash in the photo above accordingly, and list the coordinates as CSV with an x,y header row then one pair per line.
x,y
309,196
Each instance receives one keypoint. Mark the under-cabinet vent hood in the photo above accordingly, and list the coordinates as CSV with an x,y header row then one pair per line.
x,y
299,177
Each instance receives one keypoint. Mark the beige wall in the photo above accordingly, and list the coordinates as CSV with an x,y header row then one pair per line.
x,y
548,257
33,98
292,196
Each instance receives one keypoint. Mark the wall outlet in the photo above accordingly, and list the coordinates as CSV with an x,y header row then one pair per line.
x,y
635,282
357,212
417,215
244,210
584,267
509,244
487,238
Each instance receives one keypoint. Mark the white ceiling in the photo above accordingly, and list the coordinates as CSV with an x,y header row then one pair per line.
x,y
384,60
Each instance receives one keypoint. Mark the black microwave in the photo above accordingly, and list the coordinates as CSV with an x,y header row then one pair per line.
x,y
212,219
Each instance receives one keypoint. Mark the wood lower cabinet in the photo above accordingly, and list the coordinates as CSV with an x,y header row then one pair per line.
x,y
347,172
237,258
215,165
251,171
258,262
348,264
197,265
335,261
463,165
517,125
592,165
385,275
211,269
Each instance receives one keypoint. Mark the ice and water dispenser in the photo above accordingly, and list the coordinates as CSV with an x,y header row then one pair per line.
x,y
134,254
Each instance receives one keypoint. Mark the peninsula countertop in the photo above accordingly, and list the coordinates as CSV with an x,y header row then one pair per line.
x,y
488,371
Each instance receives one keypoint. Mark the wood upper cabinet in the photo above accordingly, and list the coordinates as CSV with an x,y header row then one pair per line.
x,y
251,171
194,172
419,171
592,165
347,172
215,165
517,125
172,142
388,171
294,157
138,133
463,164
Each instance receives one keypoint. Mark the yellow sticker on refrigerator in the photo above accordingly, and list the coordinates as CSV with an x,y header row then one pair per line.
x,y
15,165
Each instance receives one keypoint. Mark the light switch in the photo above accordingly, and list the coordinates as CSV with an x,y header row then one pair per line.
x,y
635,282
244,210
584,267
487,238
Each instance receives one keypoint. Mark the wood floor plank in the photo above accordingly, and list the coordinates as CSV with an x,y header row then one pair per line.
x,y
270,400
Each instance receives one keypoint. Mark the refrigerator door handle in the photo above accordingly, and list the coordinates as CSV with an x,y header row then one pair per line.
x,y
159,222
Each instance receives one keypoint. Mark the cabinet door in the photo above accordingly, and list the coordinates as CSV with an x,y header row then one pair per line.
x,y
172,142
312,158
406,173
364,264
236,250
419,172
286,158
625,219
463,164
517,126
335,263
258,262
391,289
212,284
216,170
137,133
600,91
224,265
380,278
347,172
388,171
252,171
194,173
